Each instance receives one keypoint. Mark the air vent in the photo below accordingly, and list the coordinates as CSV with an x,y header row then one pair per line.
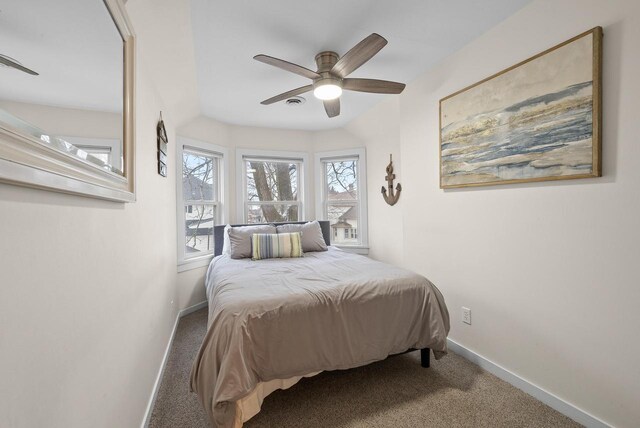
x,y
295,101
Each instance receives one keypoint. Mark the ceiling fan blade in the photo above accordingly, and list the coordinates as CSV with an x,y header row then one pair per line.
x,y
288,94
332,107
288,66
358,55
8,62
373,85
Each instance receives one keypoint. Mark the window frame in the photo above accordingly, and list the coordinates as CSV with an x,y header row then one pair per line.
x,y
242,201
221,204
322,187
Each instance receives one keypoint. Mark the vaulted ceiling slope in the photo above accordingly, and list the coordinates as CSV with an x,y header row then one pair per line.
x,y
227,34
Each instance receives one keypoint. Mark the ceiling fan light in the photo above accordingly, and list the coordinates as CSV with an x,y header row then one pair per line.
x,y
328,91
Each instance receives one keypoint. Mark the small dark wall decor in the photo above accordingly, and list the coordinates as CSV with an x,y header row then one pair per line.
x,y
162,147
391,198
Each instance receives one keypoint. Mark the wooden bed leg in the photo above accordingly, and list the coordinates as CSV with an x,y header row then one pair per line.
x,y
425,357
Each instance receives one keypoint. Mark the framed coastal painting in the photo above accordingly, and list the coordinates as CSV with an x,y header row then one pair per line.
x,y
538,120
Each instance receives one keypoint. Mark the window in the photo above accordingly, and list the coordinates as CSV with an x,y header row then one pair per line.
x,y
102,153
341,181
107,150
272,186
200,199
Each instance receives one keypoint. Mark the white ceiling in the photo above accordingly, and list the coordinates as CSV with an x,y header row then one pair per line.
x,y
227,34
73,44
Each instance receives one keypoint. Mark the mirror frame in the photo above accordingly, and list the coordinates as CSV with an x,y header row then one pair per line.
x,y
27,161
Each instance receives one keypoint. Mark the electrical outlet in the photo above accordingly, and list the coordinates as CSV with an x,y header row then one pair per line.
x,y
466,315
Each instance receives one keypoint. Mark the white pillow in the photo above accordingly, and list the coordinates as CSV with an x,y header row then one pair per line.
x,y
312,238
226,243
240,239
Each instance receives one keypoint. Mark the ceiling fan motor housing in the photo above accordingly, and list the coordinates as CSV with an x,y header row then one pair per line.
x,y
325,61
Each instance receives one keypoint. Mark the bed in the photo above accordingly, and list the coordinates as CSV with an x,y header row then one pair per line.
x,y
272,322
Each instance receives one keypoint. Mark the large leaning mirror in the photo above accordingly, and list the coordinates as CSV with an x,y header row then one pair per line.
x,y
67,97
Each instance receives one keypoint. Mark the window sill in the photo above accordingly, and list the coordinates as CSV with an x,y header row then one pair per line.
x,y
354,249
195,263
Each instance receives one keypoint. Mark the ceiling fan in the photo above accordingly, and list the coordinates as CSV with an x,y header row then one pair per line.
x,y
10,62
331,77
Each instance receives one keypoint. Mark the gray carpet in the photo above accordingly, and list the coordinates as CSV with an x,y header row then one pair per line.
x,y
396,392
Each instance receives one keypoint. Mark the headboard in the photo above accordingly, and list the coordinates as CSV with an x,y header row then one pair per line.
x,y
218,233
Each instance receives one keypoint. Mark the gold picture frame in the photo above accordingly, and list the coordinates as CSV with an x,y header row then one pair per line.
x,y
538,120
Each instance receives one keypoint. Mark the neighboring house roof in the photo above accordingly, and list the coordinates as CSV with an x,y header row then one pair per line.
x,y
195,189
351,214
341,224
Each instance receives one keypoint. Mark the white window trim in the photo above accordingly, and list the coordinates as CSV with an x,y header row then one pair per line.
x,y
241,179
223,205
363,231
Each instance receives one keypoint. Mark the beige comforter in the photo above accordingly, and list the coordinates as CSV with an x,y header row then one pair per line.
x,y
279,318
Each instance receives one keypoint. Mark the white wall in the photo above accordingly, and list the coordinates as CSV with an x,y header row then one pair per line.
x,y
380,130
87,287
550,270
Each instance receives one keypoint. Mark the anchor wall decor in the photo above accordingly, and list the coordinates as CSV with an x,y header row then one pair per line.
x,y
392,197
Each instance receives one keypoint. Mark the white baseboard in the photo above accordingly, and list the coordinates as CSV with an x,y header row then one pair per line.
x,y
156,385
192,309
535,391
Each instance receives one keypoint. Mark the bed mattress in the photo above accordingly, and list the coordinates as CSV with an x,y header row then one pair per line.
x,y
286,318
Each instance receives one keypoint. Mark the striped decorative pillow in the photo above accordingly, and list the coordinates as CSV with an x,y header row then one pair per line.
x,y
276,245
